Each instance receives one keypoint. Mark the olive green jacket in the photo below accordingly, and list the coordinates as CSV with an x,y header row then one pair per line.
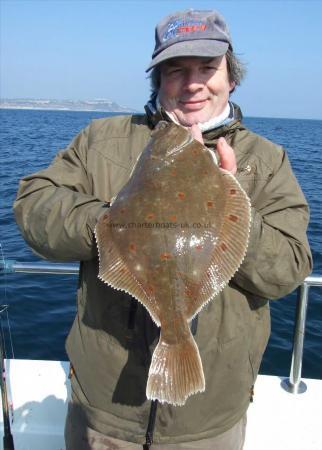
x,y
57,209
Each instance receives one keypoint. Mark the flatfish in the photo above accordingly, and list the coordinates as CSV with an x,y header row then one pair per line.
x,y
173,237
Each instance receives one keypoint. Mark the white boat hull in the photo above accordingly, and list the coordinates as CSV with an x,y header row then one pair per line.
x,y
40,390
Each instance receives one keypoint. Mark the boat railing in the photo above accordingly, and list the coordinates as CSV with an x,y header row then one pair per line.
x,y
11,266
293,384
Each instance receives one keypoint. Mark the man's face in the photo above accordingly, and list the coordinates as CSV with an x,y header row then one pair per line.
x,y
194,89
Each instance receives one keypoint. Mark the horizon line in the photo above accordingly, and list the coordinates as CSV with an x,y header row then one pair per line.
x,y
130,111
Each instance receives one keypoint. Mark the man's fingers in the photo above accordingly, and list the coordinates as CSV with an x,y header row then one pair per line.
x,y
227,156
225,151
196,133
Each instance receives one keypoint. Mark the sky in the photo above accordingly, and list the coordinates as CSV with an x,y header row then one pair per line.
x,y
84,50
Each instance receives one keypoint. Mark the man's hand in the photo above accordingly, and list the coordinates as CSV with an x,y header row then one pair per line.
x,y
196,133
225,151
227,156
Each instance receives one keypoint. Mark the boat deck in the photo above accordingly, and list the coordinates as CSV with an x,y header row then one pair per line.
x,y
277,420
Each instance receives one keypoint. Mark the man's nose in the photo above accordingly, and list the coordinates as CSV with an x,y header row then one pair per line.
x,y
193,81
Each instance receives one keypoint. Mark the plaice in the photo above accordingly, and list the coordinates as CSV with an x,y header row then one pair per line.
x,y
173,237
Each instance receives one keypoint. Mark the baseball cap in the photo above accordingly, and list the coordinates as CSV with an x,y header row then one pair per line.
x,y
190,33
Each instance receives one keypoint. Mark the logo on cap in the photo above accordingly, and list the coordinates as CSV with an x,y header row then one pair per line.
x,y
180,27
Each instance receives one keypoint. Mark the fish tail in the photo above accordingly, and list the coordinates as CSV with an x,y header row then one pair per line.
x,y
176,372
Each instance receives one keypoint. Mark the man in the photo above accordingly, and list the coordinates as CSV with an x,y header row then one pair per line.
x,y
194,70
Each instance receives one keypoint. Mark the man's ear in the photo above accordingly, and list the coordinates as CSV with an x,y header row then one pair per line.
x,y
232,85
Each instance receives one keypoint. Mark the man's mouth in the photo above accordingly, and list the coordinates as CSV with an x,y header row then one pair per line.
x,y
193,104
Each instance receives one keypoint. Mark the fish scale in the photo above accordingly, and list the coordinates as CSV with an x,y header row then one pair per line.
x,y
173,237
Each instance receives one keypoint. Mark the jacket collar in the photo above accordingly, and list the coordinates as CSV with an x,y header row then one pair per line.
x,y
155,115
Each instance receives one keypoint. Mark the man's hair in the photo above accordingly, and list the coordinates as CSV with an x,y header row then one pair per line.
x,y
235,67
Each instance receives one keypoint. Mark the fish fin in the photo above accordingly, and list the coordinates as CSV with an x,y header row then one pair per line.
x,y
175,372
113,270
231,246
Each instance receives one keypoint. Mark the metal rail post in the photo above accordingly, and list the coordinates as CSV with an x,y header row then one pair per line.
x,y
294,384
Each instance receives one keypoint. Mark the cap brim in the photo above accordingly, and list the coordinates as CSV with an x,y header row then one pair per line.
x,y
198,47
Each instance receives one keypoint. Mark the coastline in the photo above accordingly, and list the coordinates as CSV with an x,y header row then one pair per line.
x,y
127,111
131,111
99,105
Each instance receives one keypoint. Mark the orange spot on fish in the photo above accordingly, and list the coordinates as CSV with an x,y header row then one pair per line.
x,y
188,292
122,210
150,289
198,247
205,172
233,218
173,218
150,216
195,152
165,256
173,172
132,248
181,195
223,247
232,191
210,204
